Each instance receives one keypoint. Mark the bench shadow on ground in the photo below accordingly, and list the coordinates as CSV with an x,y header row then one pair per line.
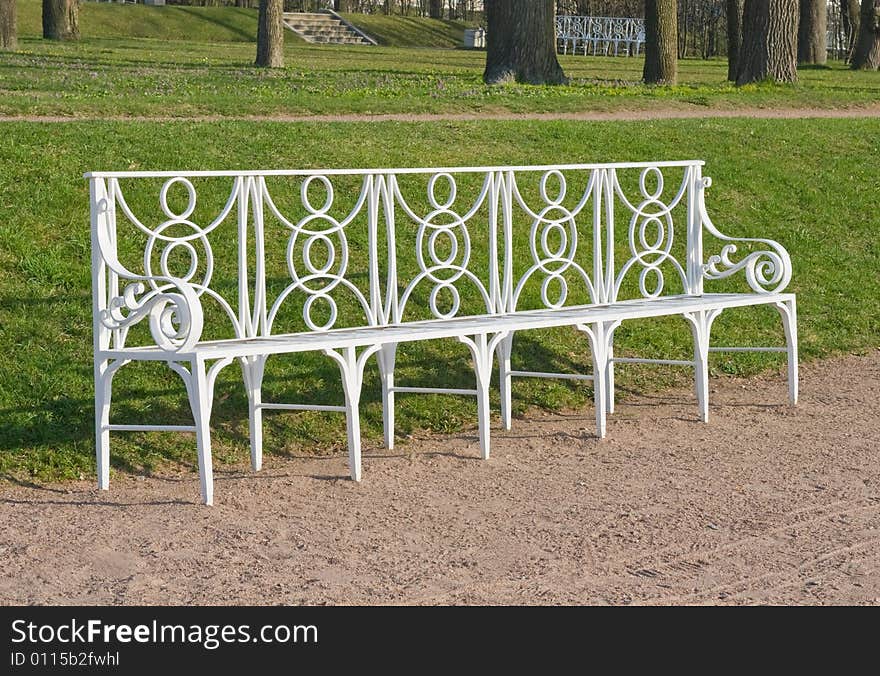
x,y
86,502
70,417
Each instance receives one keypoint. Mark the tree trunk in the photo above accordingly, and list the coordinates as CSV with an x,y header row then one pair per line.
x,y
812,28
521,42
734,36
769,47
270,34
849,15
61,19
661,42
435,9
866,55
8,35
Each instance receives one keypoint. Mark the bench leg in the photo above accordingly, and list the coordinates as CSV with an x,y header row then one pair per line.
x,y
351,368
482,349
103,394
482,358
353,428
609,374
505,347
252,371
104,373
200,402
701,327
387,356
788,310
600,334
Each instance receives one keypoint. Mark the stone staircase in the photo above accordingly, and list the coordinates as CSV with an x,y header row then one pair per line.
x,y
325,27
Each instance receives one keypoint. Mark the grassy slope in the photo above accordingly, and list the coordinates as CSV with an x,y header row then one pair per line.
x,y
230,24
111,20
405,31
809,184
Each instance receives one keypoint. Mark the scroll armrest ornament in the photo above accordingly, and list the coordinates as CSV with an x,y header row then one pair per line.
x,y
174,311
767,270
171,303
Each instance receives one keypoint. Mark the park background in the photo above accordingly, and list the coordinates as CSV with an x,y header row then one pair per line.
x,y
151,88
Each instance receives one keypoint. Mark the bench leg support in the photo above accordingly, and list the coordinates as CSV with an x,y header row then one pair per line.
x,y
200,401
505,347
482,348
103,394
600,334
701,327
788,310
252,370
387,356
104,372
609,373
351,368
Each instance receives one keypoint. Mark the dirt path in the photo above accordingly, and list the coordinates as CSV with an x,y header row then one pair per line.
x,y
765,504
596,116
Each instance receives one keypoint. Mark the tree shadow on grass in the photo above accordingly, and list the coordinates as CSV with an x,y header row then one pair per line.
x,y
211,18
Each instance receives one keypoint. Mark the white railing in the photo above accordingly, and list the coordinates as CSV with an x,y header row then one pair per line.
x,y
600,35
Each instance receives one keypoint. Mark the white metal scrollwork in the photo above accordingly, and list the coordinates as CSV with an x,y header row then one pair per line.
x,y
544,240
575,208
766,270
171,301
651,232
319,229
443,273
554,220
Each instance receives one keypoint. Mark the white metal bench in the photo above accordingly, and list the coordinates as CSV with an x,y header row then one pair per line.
x,y
244,265
597,33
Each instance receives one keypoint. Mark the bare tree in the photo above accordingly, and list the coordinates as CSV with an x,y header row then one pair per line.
x,y
866,55
270,34
61,19
8,35
769,47
734,36
812,28
661,42
435,9
521,42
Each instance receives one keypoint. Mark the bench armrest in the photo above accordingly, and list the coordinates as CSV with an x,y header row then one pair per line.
x,y
768,270
171,304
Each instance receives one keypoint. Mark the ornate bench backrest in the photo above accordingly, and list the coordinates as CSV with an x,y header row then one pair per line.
x,y
289,251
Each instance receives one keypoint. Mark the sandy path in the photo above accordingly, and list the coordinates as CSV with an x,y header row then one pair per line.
x,y
595,116
765,504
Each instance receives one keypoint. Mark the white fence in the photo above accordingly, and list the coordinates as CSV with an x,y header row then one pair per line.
x,y
600,35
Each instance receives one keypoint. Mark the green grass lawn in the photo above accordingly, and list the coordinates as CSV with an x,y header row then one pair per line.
x,y
113,76
810,184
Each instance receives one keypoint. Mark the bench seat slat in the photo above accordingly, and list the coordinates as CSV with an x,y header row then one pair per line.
x,y
448,328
